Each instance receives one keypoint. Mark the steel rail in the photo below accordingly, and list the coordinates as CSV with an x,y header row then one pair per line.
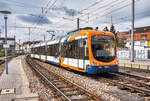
x,y
131,75
81,89
131,87
47,80
126,84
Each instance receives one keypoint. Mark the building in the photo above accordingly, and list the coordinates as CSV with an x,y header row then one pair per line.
x,y
141,43
141,38
26,46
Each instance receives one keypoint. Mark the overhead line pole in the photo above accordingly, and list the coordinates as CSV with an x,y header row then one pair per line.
x,y
29,33
0,32
132,33
78,23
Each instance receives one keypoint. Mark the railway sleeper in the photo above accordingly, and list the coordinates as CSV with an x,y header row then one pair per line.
x,y
78,97
72,97
72,92
122,87
83,99
63,86
68,89
137,83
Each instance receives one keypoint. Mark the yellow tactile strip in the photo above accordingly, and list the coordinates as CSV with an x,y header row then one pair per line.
x,y
135,66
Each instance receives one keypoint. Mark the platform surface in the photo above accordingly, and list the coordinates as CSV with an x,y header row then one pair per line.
x,y
140,64
136,61
15,82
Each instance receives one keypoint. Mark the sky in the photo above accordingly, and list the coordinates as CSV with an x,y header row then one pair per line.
x,y
60,16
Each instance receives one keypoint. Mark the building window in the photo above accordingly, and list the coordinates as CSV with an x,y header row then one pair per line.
x,y
143,36
142,43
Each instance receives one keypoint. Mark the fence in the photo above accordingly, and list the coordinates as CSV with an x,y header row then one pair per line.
x,y
138,54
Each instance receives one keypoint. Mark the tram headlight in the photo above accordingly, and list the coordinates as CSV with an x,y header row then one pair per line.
x,y
94,64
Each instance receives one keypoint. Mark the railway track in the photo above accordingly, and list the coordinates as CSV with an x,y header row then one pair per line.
x,y
138,69
65,89
137,84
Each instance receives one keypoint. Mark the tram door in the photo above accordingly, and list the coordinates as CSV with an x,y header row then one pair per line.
x,y
82,47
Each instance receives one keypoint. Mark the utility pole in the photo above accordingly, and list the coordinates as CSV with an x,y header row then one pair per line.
x,y
111,20
132,33
29,33
88,17
78,23
42,10
0,32
6,55
19,45
44,38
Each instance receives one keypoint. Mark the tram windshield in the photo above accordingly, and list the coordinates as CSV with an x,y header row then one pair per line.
x,y
103,48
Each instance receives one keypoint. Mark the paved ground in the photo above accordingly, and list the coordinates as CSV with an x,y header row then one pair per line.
x,y
1,58
14,84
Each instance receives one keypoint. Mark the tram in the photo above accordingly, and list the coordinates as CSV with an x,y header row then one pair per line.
x,y
83,50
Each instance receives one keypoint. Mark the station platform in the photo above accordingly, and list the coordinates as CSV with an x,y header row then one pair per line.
x,y
140,64
14,86
2,58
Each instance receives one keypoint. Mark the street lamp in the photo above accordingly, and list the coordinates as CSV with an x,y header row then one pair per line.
x,y
6,46
51,33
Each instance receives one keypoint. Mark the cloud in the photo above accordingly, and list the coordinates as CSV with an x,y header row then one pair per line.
x,y
34,19
3,5
68,11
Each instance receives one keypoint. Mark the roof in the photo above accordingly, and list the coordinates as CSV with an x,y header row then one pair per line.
x,y
30,42
145,29
2,38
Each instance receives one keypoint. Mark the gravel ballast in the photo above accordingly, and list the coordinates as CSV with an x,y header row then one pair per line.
x,y
106,92
36,84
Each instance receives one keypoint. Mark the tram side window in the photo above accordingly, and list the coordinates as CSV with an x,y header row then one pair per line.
x,y
32,50
86,50
77,49
54,50
36,50
57,50
69,49
49,50
74,49
64,50
43,50
83,49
